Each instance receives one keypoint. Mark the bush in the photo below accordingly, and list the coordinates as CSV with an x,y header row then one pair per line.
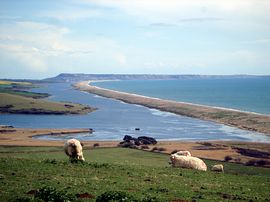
x,y
114,196
96,145
228,158
51,194
256,163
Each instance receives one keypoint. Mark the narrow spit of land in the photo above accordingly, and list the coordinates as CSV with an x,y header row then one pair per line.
x,y
243,120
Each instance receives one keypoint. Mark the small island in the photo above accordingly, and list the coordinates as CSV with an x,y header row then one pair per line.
x,y
15,99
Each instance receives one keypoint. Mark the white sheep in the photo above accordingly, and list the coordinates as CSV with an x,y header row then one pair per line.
x,y
73,148
188,162
183,153
217,168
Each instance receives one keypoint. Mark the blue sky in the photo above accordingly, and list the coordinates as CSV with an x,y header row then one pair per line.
x,y
40,39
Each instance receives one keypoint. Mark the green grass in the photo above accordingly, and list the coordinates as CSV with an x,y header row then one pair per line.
x,y
24,93
138,173
16,99
18,104
20,88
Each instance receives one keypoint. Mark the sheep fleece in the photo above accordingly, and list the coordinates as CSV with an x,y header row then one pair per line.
x,y
73,149
188,162
218,168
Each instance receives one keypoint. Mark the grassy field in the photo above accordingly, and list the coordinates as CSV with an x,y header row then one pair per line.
x,y
16,99
19,104
20,88
140,175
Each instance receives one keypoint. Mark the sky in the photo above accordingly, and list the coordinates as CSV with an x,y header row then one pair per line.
x,y
40,39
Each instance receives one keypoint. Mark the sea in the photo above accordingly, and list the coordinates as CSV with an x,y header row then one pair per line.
x,y
245,94
114,119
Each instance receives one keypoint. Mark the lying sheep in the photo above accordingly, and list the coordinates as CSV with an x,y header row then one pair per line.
x,y
183,153
73,148
217,168
187,162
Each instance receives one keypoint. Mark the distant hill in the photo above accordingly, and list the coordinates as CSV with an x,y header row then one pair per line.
x,y
65,77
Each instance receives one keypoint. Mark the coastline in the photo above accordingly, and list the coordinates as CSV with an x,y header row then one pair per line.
x,y
244,120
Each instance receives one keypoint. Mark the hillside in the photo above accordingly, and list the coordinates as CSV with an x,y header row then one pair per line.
x,y
17,99
15,104
65,77
140,175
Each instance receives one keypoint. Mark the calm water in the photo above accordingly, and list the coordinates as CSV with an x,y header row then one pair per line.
x,y
115,119
249,94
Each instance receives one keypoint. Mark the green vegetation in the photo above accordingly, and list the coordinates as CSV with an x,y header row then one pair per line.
x,y
19,88
30,173
15,99
23,105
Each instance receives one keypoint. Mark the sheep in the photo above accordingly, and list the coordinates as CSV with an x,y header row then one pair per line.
x,y
217,168
183,153
187,162
73,149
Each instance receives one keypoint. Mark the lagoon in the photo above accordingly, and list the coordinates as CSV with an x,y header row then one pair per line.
x,y
114,119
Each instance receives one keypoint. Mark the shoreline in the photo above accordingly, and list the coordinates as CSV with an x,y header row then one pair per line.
x,y
214,150
240,119
188,103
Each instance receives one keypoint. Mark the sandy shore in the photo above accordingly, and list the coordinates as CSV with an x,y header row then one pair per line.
x,y
240,119
216,150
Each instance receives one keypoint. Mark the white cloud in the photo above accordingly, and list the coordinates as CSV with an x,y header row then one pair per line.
x,y
29,57
120,58
71,14
42,47
175,11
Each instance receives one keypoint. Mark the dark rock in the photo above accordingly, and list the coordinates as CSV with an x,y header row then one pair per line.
x,y
147,140
132,142
127,138
137,129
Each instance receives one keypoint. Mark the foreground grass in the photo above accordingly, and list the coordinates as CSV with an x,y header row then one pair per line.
x,y
138,173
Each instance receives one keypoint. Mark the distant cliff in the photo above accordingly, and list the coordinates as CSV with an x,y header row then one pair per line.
x,y
65,77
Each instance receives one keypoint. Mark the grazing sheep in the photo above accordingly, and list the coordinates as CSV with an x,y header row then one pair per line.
x,y
73,148
183,153
218,168
188,162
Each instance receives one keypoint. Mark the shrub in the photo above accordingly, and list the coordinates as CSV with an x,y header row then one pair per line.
x,y
114,196
227,158
256,162
96,145
51,194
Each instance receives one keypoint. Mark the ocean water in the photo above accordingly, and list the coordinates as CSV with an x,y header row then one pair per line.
x,y
114,119
246,94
